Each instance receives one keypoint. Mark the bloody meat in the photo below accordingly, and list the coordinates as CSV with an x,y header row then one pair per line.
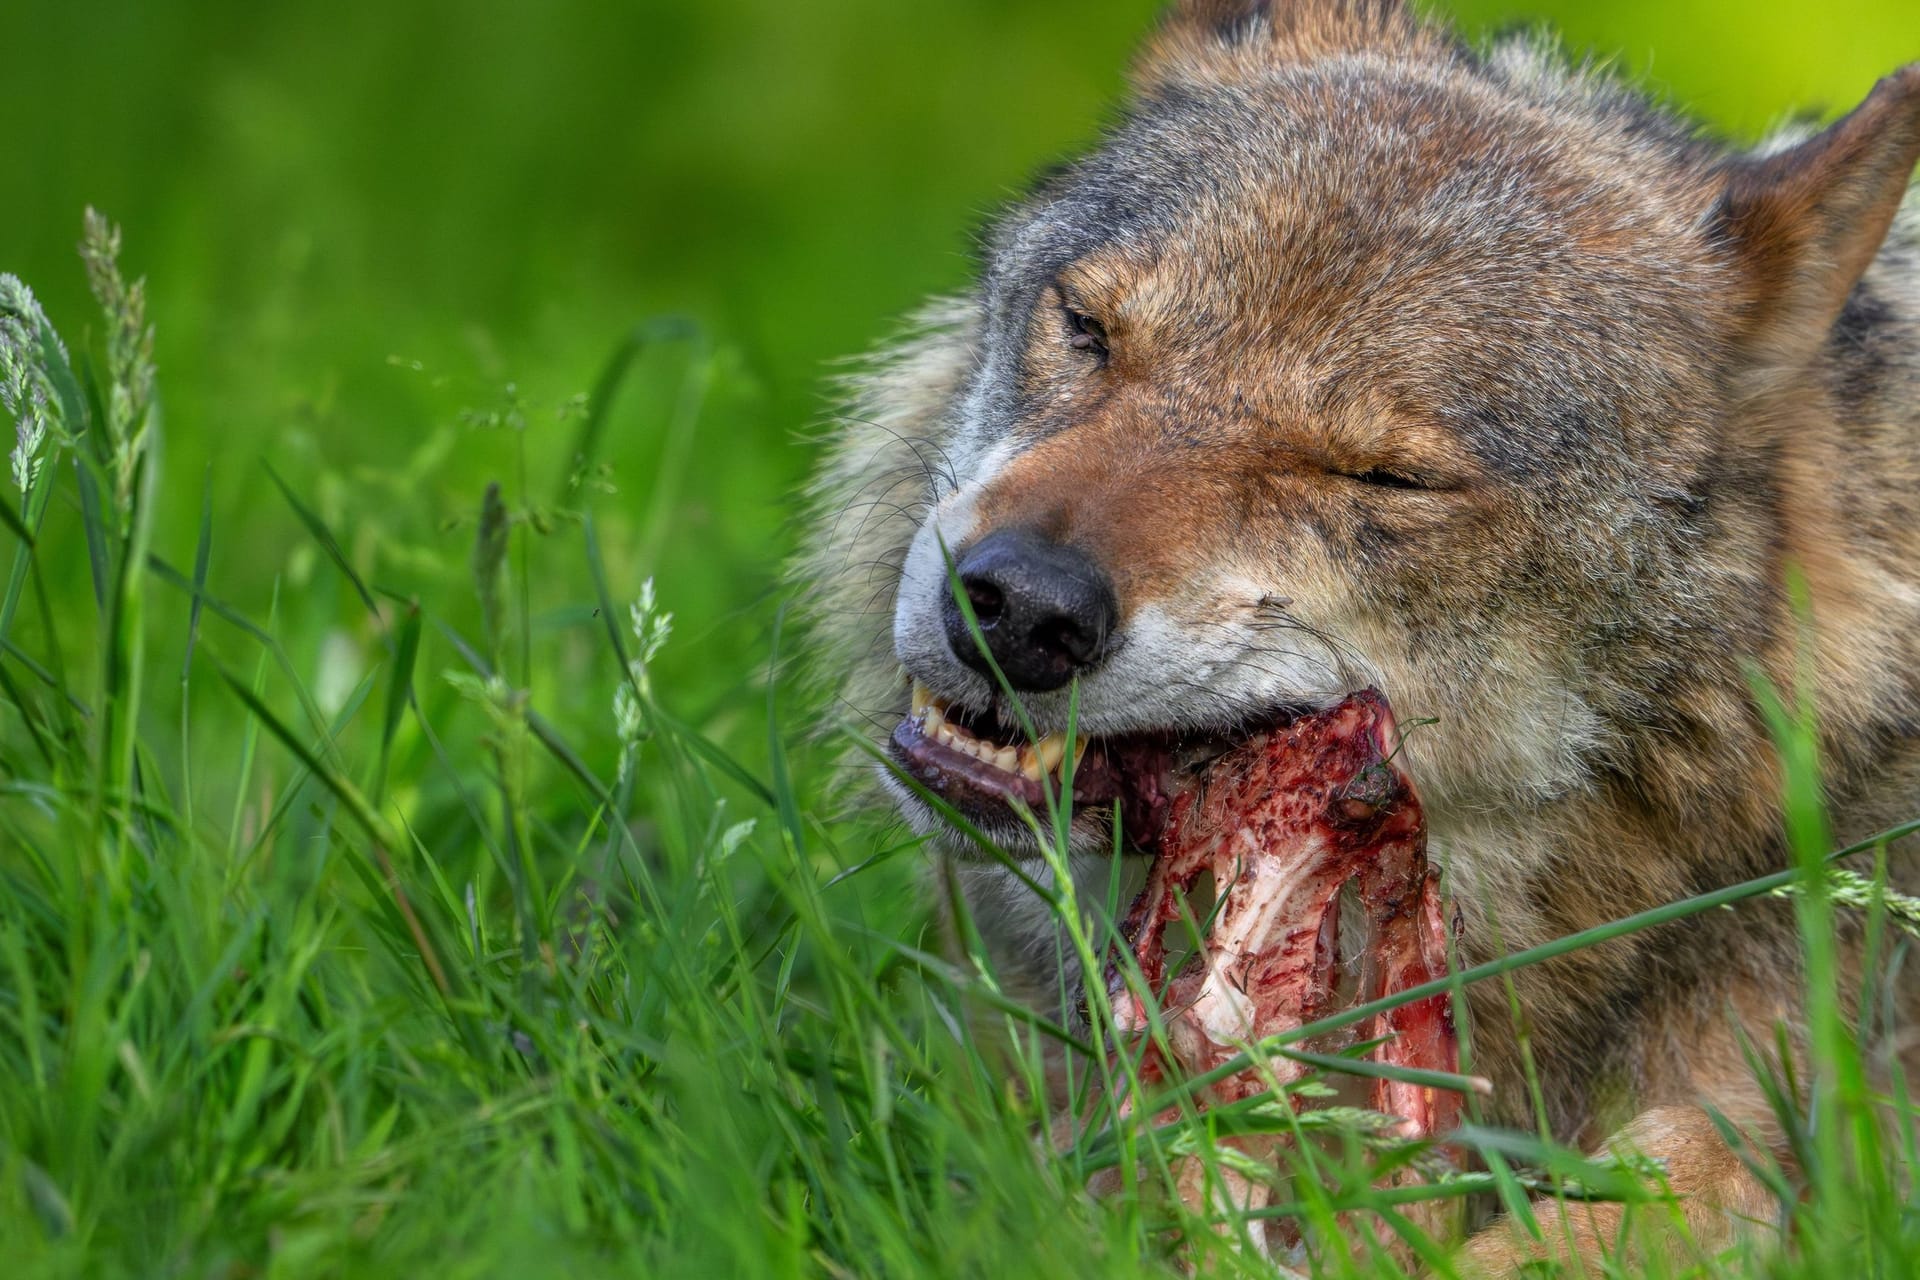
x,y
1283,822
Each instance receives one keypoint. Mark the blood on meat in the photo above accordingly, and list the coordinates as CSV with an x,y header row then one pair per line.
x,y
1284,821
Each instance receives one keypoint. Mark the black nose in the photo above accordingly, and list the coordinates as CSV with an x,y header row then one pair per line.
x,y
1045,609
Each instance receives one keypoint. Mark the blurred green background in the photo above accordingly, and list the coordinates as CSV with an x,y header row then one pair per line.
x,y
361,221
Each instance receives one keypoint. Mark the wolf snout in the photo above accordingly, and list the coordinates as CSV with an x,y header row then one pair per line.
x,y
1046,610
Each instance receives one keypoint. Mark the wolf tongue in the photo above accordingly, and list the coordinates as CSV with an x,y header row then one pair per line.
x,y
1284,822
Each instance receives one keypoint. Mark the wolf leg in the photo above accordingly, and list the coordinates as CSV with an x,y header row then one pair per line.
x,y
1693,1056
1717,1199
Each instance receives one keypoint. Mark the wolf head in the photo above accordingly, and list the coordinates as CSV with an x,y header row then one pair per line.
x,y
1355,356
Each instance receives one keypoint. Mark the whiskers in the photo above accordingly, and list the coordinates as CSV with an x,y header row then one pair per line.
x,y
1349,666
931,463
872,505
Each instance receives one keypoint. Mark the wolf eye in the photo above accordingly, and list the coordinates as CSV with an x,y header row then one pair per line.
x,y
1088,334
1386,479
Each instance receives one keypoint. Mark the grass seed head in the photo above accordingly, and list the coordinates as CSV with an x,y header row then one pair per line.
x,y
130,371
24,388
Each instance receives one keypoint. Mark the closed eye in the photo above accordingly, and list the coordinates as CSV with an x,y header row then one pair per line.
x,y
1387,479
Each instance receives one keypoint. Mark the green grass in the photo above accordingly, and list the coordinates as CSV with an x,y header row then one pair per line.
x,y
335,938
410,972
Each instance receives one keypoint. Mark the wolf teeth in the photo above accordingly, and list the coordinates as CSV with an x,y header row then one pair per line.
x,y
1031,762
985,752
1051,749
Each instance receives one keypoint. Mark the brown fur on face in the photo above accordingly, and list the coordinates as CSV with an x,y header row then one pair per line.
x,y
1526,401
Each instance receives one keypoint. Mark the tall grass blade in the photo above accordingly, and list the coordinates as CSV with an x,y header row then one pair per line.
x,y
606,389
399,694
93,519
202,558
320,533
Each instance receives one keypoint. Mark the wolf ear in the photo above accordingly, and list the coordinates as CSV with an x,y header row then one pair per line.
x,y
1806,222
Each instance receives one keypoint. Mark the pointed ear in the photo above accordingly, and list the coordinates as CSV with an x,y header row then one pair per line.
x,y
1804,224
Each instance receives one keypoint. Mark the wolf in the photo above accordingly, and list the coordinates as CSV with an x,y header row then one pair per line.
x,y
1352,355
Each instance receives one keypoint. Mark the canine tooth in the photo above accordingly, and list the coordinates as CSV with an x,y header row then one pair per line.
x,y
922,698
935,721
1051,749
1079,752
1030,765
1006,759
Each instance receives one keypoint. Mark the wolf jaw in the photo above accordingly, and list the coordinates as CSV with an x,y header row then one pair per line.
x,y
988,770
